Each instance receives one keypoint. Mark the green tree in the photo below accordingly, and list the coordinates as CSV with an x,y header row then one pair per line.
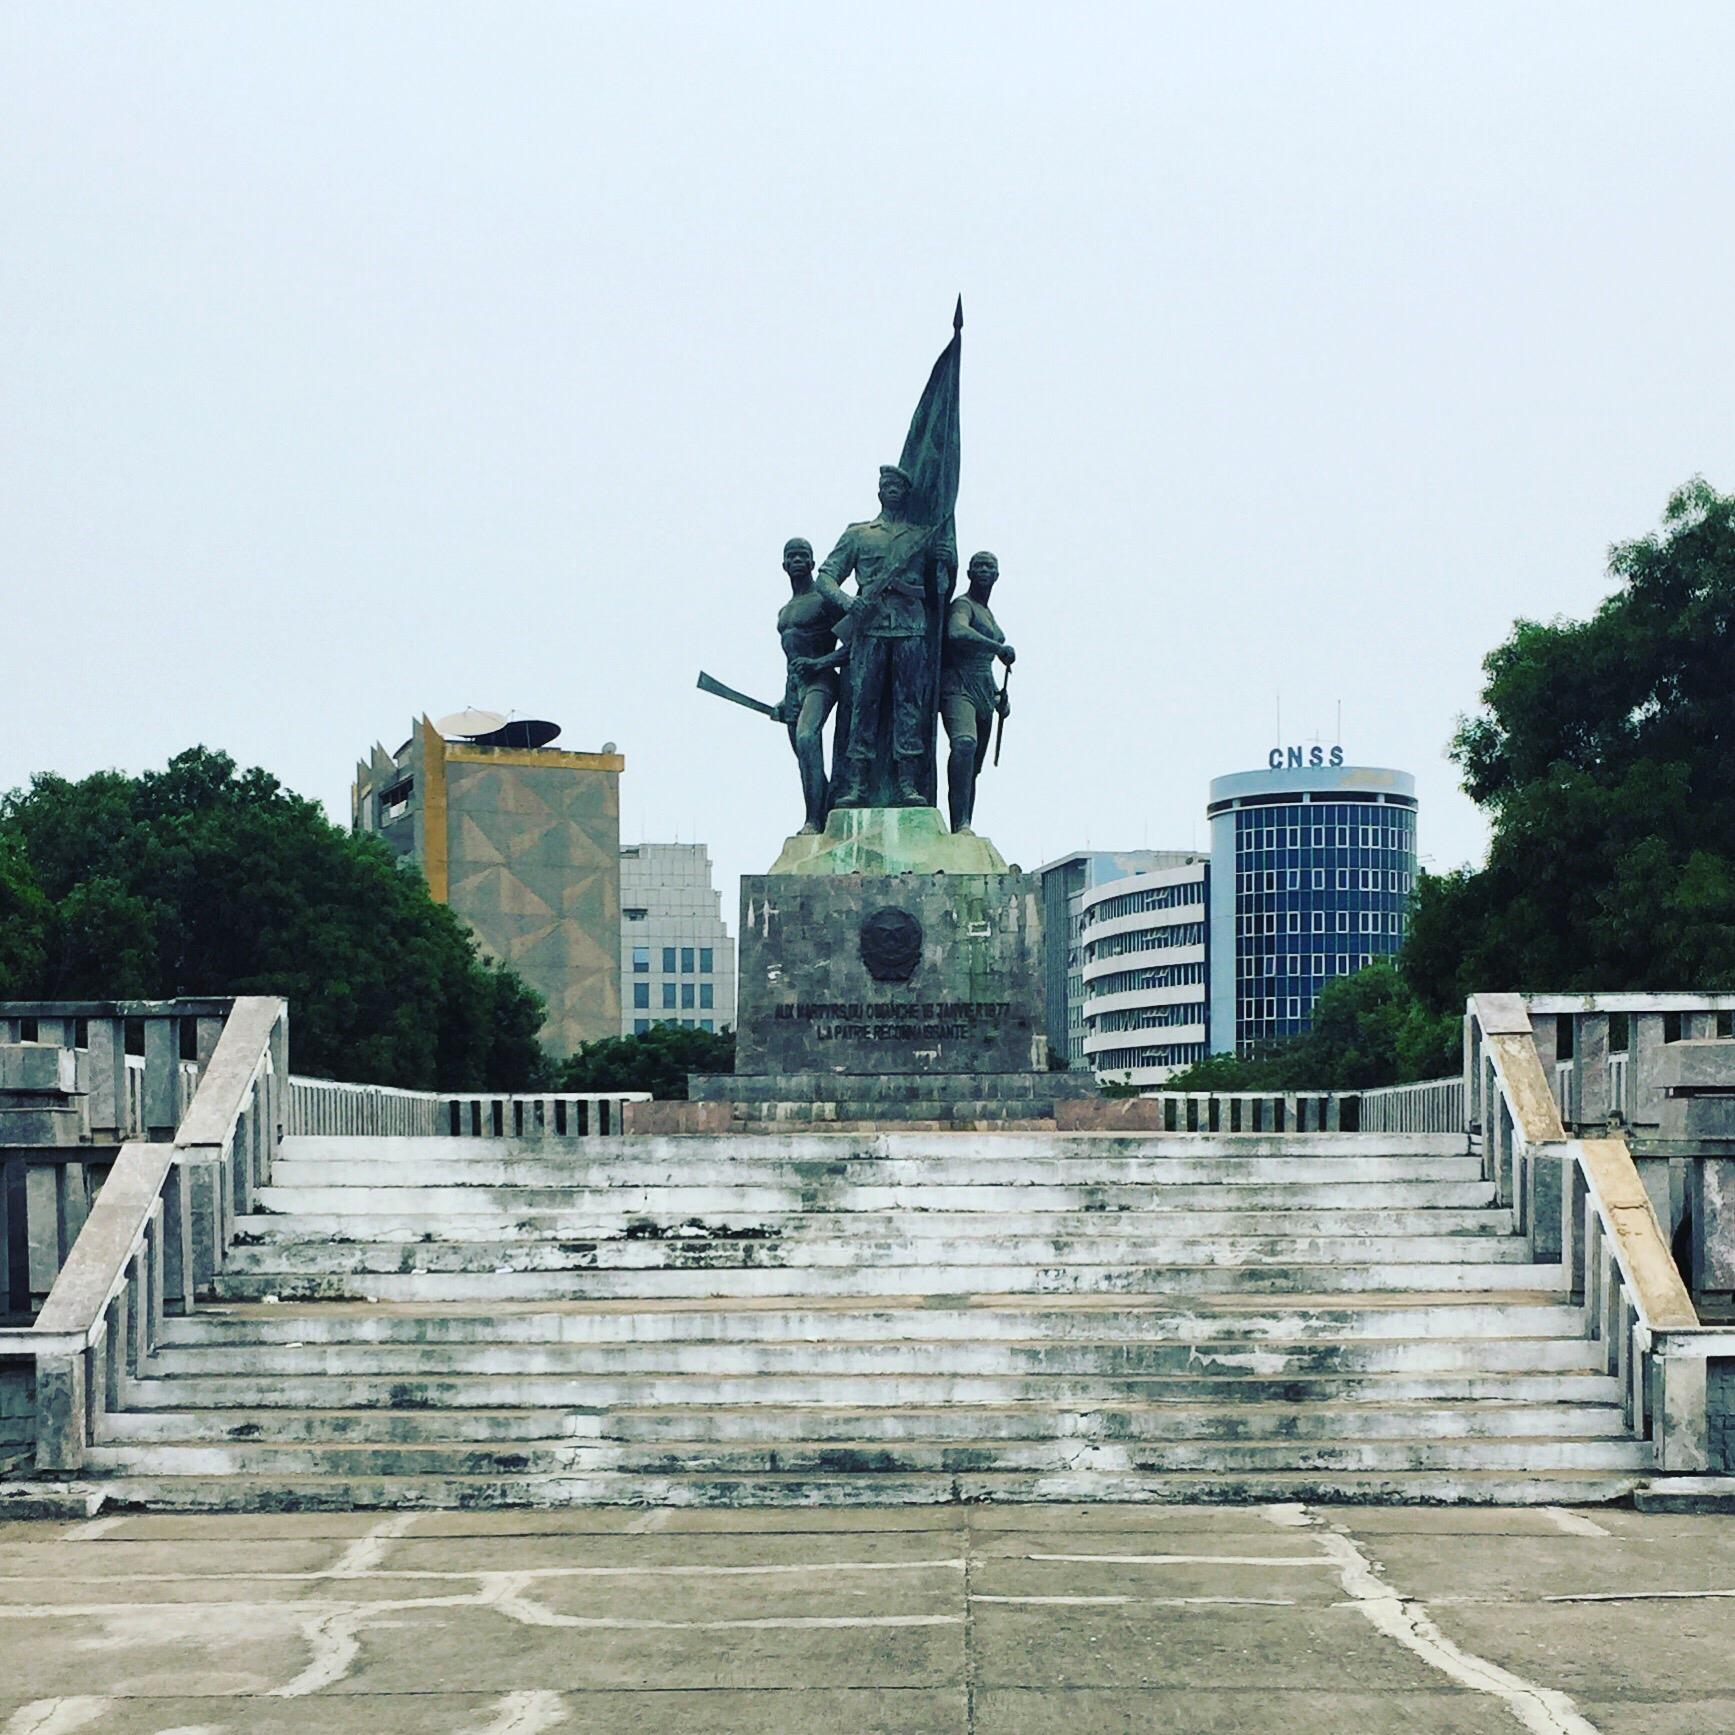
x,y
657,1060
199,879
1604,756
24,919
1368,1029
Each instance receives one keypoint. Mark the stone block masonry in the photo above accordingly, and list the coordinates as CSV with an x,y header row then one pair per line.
x,y
906,973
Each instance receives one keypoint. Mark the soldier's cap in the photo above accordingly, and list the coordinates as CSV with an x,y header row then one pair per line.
x,y
985,554
889,470
794,543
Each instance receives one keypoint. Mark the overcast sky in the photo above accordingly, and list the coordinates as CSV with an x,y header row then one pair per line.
x,y
361,360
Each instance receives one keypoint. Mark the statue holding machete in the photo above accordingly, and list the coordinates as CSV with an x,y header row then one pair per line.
x,y
896,655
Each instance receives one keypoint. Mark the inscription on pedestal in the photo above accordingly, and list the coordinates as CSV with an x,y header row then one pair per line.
x,y
876,973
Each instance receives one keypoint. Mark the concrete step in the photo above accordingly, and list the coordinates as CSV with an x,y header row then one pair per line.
x,y
1113,1360
841,1198
848,1167
863,1458
1014,1145
1157,1319
257,1391
817,1248
599,1221
769,1423
339,1493
1067,1276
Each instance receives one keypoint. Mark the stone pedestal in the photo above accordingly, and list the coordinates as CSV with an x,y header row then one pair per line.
x,y
909,973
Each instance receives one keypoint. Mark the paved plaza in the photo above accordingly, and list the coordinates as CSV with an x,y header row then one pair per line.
x,y
990,1619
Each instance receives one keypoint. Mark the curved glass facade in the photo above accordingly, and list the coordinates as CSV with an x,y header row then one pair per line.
x,y
1313,875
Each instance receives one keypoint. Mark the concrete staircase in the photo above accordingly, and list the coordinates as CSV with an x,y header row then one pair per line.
x,y
835,1318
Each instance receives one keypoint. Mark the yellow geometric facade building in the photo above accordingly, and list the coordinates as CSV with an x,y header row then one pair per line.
x,y
524,845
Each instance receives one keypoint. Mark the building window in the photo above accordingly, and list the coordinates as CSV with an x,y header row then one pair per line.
x,y
641,959
705,992
707,1024
1319,879
640,1026
686,999
668,960
642,995
668,996
686,1024
705,961
634,915
686,960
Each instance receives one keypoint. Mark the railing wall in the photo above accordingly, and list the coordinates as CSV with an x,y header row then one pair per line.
x,y
328,1108
1434,1106
130,1071
1581,1203
156,1235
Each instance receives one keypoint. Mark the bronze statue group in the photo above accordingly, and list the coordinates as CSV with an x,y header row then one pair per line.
x,y
887,659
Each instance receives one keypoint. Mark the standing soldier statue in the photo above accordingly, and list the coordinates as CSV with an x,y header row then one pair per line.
x,y
969,702
804,626
902,571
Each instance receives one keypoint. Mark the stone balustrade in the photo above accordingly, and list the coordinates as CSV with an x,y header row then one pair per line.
x,y
328,1108
157,1233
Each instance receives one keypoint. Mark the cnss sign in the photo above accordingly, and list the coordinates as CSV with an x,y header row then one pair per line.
x,y
1299,758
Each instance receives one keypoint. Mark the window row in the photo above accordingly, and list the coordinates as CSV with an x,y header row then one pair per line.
x,y
1151,898
705,954
641,1025
1146,1018
706,993
1257,837
1172,1054
1300,964
1159,976
1321,922
1343,879
1148,940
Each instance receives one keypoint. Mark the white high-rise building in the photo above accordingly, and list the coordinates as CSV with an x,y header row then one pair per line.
x,y
677,957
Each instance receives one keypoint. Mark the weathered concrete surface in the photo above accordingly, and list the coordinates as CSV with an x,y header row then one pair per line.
x,y
993,1620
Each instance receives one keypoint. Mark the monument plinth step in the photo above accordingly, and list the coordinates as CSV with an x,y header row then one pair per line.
x,y
888,840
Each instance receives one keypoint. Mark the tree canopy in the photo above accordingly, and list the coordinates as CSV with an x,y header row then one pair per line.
x,y
1368,1029
657,1060
1604,755
201,880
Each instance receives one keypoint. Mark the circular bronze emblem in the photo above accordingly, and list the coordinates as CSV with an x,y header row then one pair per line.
x,y
891,945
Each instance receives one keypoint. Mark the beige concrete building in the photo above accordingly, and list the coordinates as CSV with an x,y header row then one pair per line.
x,y
524,845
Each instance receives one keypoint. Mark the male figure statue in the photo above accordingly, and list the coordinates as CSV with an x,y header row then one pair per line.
x,y
968,699
804,626
890,666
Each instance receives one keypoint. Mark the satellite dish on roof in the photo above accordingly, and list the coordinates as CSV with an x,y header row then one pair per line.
x,y
467,725
520,732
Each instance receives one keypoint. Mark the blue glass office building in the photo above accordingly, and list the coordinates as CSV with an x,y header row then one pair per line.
x,y
1312,869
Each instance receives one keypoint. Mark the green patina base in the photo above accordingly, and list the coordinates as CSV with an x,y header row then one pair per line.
x,y
888,840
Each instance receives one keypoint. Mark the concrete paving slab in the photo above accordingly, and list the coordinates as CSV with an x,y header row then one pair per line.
x,y
1200,1647
648,1711
660,1548
160,1559
1118,1517
1092,1618
1611,1650
1670,1715
498,1653
1448,1520
1241,1711
1535,1568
